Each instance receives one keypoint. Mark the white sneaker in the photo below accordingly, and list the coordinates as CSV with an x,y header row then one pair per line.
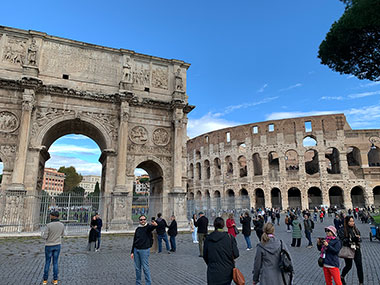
x,y
248,249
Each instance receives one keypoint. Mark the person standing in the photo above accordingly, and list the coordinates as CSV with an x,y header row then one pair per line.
x,y
202,224
330,247
161,233
53,239
245,220
142,241
349,234
99,229
278,216
266,270
93,235
194,229
172,232
296,233
259,224
220,250
231,225
308,226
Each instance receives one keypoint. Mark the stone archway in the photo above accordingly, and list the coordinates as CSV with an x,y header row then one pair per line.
x,y
294,198
336,197
357,197
376,196
260,198
276,198
230,200
314,195
244,202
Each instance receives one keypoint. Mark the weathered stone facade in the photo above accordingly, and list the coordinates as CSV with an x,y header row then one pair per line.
x,y
134,106
267,164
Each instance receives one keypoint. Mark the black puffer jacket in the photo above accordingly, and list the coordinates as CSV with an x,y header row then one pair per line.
x,y
218,252
246,222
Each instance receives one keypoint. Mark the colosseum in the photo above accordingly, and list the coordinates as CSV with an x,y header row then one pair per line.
x,y
299,162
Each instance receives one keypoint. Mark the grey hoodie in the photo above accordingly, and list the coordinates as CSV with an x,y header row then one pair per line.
x,y
266,267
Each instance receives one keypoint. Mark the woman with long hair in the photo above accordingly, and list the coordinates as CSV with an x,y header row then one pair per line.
x,y
194,229
230,224
219,252
350,237
259,224
266,268
246,223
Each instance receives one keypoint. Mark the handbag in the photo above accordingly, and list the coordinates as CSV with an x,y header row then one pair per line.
x,y
346,252
236,230
321,261
237,276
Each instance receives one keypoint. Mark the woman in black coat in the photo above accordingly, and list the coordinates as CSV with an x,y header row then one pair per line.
x,y
219,252
259,224
246,222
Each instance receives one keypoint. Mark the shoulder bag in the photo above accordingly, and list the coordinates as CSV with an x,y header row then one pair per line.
x,y
237,276
346,252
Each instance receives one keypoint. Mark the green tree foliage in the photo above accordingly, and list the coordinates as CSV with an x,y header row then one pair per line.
x,y
1,178
144,180
352,46
72,178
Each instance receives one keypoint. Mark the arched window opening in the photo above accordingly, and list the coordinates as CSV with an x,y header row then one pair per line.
x,y
197,155
218,202
217,167
291,160
336,197
230,200
311,162
353,156
314,195
242,166
199,171
207,169
309,141
332,154
191,169
230,168
273,160
376,196
257,165
276,198
357,197
374,157
294,198
244,200
198,201
260,200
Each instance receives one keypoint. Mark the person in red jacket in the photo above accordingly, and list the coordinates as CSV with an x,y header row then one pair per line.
x,y
230,223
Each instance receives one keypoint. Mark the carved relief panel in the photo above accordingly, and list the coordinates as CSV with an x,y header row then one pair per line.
x,y
138,135
8,122
160,77
15,50
160,137
141,73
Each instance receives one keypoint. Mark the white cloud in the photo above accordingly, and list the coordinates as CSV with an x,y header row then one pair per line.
x,y
262,88
83,167
350,76
64,149
364,94
332,98
207,123
291,87
231,108
287,115
140,171
76,137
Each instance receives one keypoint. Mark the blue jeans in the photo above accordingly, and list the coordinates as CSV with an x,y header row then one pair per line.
x,y
51,251
248,241
172,243
141,258
308,236
165,238
98,240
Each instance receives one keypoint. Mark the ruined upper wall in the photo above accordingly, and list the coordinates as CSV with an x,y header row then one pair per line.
x,y
88,67
290,130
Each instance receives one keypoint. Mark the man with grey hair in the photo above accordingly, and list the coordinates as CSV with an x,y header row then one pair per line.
x,y
53,234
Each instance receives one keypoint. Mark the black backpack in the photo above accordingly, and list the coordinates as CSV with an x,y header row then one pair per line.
x,y
285,264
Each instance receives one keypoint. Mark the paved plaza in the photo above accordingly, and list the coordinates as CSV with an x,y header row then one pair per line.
x,y
22,261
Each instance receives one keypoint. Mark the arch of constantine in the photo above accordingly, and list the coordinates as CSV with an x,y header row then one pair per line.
x,y
301,162
134,106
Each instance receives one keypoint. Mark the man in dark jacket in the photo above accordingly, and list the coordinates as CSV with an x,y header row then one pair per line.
x,y
246,222
172,232
308,225
142,241
202,224
161,233
220,250
99,229
259,224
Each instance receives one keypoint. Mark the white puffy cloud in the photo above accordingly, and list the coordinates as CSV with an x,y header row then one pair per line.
x,y
287,115
207,123
83,167
64,149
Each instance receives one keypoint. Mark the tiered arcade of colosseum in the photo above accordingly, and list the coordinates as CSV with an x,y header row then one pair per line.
x,y
300,162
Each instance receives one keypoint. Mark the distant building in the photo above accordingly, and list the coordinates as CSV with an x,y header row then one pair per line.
x,y
141,187
88,183
53,181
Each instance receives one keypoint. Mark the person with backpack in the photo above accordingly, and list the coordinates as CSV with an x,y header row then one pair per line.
x,y
329,260
269,252
308,226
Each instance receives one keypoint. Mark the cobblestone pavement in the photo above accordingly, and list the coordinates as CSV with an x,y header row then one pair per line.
x,y
22,261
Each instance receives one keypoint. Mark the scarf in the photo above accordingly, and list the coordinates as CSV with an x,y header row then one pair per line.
x,y
323,249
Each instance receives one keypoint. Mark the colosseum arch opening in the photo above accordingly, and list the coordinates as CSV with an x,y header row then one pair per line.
x,y
257,165
198,169
229,166
314,195
276,198
291,161
198,201
336,197
230,203
309,141
190,205
191,170
332,154
353,156
244,199
274,166
260,200
376,196
242,166
207,169
217,200
294,198
217,167
357,197
374,156
311,162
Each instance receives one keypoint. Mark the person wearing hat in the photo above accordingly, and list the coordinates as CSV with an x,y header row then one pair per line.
x,y
330,247
53,234
202,224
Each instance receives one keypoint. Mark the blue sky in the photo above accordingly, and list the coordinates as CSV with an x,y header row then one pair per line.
x,y
251,61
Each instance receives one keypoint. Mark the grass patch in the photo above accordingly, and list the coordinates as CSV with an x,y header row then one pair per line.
x,y
377,219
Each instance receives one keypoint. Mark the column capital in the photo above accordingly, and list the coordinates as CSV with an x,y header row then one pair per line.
x,y
28,99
